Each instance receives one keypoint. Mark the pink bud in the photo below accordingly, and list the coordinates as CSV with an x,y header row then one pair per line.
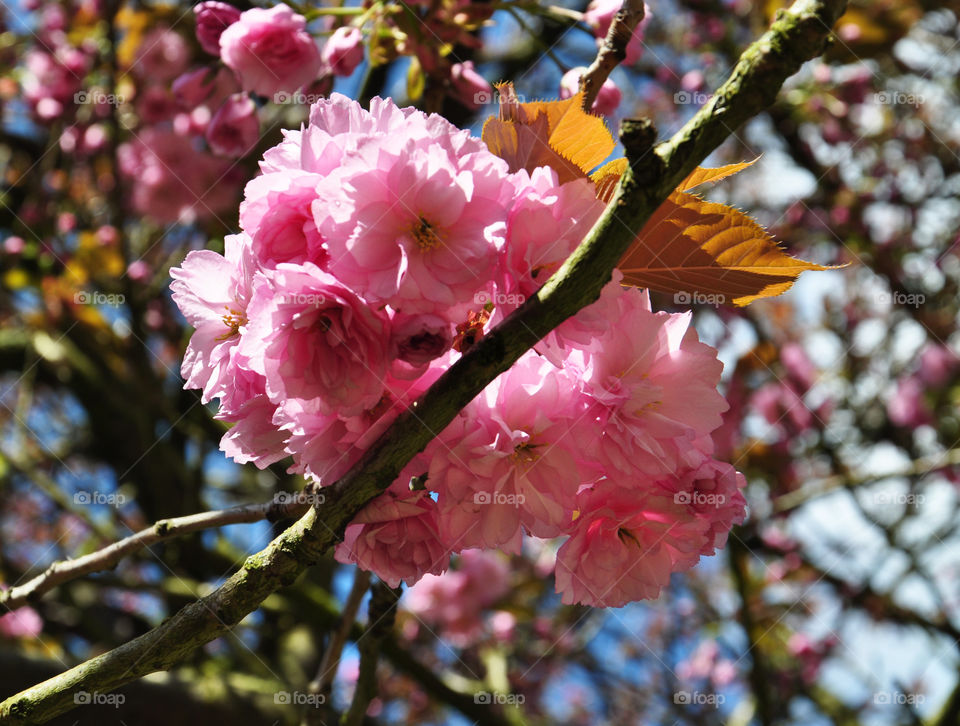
x,y
470,88
344,51
13,245
193,87
234,128
607,99
138,271
212,19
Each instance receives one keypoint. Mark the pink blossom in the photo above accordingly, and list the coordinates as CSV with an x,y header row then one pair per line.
x,y
212,19
212,292
396,537
418,340
156,104
163,55
413,219
655,386
624,547
253,438
512,458
314,338
192,88
937,364
607,100
343,52
469,87
234,129
907,406
270,50
23,622
798,364
276,213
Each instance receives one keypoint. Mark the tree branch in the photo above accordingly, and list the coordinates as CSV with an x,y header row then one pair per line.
x,y
612,52
797,35
107,558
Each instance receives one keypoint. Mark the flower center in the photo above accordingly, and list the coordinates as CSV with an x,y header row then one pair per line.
x,y
524,453
424,235
233,319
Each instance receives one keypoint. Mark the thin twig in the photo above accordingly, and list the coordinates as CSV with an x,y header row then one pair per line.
x,y
322,684
107,558
612,52
381,615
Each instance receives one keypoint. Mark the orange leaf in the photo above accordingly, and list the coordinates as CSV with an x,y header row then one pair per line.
x,y
559,134
700,175
608,176
701,249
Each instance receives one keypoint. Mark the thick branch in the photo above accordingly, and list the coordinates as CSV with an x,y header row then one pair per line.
x,y
796,36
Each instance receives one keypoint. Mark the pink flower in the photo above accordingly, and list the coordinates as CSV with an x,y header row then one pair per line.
x,y
212,19
234,129
414,217
512,458
624,546
175,182
192,88
212,292
937,365
270,50
163,56
253,438
23,622
314,338
276,213
343,52
470,88
907,406
396,537
156,104
455,600
655,385
607,99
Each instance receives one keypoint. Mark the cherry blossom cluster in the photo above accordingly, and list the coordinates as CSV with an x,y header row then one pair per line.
x,y
378,246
